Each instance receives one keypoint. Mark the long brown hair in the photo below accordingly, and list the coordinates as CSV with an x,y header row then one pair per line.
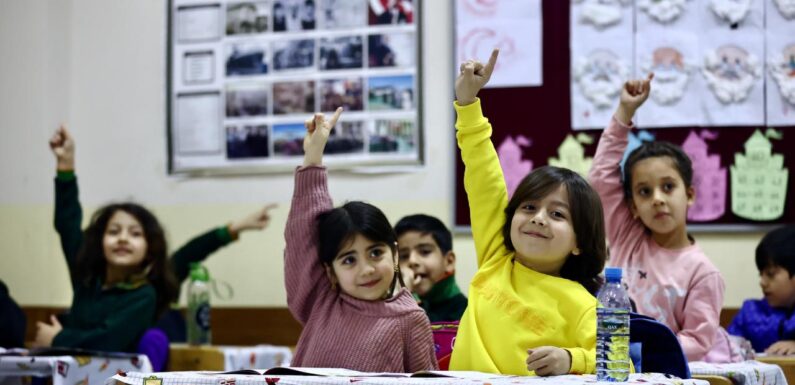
x,y
587,219
90,263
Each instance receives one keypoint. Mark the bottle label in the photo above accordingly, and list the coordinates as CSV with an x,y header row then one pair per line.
x,y
202,316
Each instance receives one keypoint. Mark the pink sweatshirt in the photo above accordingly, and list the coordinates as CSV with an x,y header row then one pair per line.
x,y
680,288
341,331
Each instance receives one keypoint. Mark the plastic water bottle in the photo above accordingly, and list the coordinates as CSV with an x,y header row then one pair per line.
x,y
612,329
198,305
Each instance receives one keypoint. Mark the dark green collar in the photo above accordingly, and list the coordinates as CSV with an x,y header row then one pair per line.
x,y
442,291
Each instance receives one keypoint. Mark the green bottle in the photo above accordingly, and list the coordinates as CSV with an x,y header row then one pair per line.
x,y
198,305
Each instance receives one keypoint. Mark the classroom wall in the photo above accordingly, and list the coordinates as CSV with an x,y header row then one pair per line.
x,y
100,66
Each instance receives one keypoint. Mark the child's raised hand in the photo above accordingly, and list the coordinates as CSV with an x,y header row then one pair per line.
x,y
257,220
633,95
781,348
63,146
548,361
317,132
474,75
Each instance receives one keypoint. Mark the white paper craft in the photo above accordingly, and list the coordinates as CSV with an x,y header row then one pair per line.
x,y
732,11
600,76
600,13
786,8
782,69
663,11
731,72
671,74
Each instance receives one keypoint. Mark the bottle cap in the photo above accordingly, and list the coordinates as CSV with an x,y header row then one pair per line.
x,y
613,273
198,272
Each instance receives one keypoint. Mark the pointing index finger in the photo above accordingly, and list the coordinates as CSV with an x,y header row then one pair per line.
x,y
492,62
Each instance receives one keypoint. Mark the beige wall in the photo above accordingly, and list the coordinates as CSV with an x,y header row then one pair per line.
x,y
100,67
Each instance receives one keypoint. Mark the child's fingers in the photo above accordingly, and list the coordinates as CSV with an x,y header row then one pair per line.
x,y
469,69
54,320
492,62
310,125
270,206
335,117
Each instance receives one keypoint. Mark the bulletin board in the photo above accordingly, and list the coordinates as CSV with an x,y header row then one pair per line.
x,y
537,120
244,75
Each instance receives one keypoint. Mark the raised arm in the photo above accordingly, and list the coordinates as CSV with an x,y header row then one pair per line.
x,y
483,178
305,278
605,174
203,245
68,213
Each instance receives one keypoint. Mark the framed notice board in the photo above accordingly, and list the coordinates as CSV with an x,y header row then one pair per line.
x,y
752,162
243,75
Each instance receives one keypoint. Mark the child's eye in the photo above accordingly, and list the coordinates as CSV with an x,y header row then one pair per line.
x,y
558,214
376,253
668,187
425,252
643,191
403,256
529,207
349,260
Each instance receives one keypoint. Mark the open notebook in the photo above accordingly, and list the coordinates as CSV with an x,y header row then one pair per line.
x,y
337,372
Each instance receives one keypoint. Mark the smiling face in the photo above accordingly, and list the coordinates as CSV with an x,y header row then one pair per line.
x,y
659,195
363,269
419,252
124,242
542,232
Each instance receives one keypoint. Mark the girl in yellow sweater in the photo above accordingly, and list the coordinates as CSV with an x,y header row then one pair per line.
x,y
530,310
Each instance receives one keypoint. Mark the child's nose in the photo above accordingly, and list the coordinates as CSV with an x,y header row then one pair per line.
x,y
539,218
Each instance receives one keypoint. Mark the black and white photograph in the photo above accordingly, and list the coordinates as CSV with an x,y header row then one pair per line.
x,y
246,59
391,12
347,93
246,141
392,135
288,139
339,14
198,67
197,23
293,97
247,18
246,99
294,54
341,53
390,93
294,15
391,50
347,137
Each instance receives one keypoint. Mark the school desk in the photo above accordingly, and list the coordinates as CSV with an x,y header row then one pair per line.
x,y
183,357
68,370
741,373
787,364
196,378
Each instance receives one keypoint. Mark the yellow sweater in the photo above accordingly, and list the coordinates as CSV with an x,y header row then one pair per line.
x,y
511,308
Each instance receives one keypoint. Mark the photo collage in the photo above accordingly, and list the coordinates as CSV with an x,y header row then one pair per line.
x,y
272,63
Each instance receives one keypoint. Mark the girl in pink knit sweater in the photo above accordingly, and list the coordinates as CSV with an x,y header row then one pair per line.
x,y
668,275
341,275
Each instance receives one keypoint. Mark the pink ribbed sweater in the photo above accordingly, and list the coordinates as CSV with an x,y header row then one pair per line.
x,y
341,331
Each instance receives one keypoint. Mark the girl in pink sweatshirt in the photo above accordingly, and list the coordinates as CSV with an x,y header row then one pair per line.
x,y
669,276
341,275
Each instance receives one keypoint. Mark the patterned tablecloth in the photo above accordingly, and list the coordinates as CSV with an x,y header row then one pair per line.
x,y
742,373
211,378
68,370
